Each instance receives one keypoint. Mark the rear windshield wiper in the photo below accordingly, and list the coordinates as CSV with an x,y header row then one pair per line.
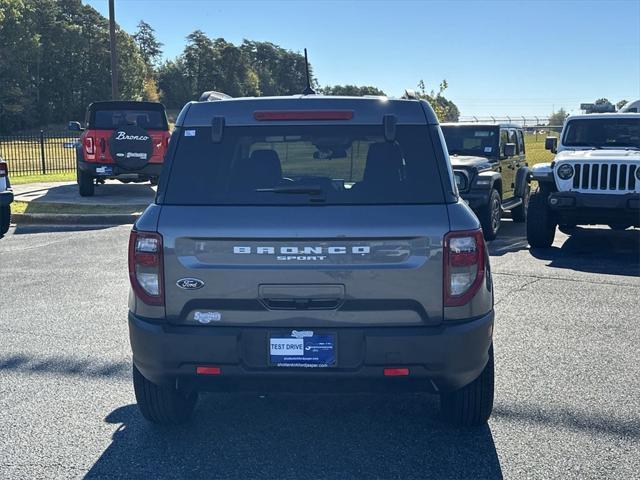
x,y
293,190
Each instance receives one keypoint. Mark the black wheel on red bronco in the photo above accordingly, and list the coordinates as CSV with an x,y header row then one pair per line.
x,y
86,184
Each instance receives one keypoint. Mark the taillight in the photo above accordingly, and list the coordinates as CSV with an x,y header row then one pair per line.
x,y
89,145
145,266
464,266
4,170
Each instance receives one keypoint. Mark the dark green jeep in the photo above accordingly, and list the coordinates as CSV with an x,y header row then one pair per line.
x,y
491,170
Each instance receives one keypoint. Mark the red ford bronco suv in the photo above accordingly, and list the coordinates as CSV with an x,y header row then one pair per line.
x,y
122,140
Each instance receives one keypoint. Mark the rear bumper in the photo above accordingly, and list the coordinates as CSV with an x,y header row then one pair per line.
x,y
440,358
589,208
6,198
148,171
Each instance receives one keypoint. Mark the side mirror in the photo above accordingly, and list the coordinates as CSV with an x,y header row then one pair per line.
x,y
75,127
551,143
509,149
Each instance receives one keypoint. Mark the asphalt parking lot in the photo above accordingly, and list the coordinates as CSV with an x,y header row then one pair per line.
x,y
567,399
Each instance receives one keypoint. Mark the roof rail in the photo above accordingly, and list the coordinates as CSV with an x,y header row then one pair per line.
x,y
213,96
410,95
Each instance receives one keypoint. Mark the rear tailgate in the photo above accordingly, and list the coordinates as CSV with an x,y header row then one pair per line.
x,y
160,139
304,266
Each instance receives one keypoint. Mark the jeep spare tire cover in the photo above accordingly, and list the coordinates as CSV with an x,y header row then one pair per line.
x,y
131,147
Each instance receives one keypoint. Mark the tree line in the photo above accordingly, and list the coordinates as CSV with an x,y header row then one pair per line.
x,y
54,61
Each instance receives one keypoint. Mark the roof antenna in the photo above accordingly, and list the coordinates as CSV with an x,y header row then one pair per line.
x,y
307,90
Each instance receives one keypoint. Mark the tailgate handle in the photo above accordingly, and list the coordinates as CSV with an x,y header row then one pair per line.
x,y
302,297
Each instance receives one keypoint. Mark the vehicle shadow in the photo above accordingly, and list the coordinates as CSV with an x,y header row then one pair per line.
x,y
28,229
512,237
596,250
112,192
300,436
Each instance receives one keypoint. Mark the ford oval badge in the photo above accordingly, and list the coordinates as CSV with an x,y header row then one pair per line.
x,y
190,283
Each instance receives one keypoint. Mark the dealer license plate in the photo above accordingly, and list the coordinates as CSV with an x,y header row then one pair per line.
x,y
302,349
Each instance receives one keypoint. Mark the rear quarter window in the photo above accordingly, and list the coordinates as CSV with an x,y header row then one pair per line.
x,y
302,165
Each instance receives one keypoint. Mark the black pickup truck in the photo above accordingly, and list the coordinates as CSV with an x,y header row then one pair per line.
x,y
491,171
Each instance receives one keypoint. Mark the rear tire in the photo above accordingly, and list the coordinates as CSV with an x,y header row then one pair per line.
x,y
162,405
5,219
519,214
86,184
541,227
490,215
471,405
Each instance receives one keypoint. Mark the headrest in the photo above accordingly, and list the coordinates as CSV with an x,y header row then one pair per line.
x,y
261,170
384,163
142,121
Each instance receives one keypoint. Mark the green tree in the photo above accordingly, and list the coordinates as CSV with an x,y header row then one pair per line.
x,y
238,79
251,69
18,61
150,48
175,87
621,104
558,118
279,71
200,62
54,61
445,109
351,90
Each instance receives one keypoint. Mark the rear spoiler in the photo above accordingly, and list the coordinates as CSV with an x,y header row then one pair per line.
x,y
213,96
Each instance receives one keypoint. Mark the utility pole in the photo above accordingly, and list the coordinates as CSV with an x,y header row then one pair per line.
x,y
114,57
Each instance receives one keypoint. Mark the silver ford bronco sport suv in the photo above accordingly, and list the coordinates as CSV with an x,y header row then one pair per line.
x,y
309,244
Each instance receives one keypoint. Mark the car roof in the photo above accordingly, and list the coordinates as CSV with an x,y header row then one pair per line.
x,y
484,125
366,110
126,105
604,115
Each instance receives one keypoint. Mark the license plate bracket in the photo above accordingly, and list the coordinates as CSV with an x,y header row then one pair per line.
x,y
302,349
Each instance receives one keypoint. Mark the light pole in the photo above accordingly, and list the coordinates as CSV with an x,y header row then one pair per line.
x,y
114,57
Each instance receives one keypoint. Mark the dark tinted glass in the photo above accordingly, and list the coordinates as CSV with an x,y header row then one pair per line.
x,y
471,140
605,132
109,119
302,165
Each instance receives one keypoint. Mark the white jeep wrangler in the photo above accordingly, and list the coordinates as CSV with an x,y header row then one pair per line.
x,y
594,178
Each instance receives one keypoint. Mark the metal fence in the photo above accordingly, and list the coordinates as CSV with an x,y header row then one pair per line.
x,y
531,125
39,153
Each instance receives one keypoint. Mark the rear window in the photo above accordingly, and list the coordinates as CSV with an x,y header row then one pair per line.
x,y
471,140
110,119
302,165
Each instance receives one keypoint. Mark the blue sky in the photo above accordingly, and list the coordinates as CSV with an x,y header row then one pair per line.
x,y
499,57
